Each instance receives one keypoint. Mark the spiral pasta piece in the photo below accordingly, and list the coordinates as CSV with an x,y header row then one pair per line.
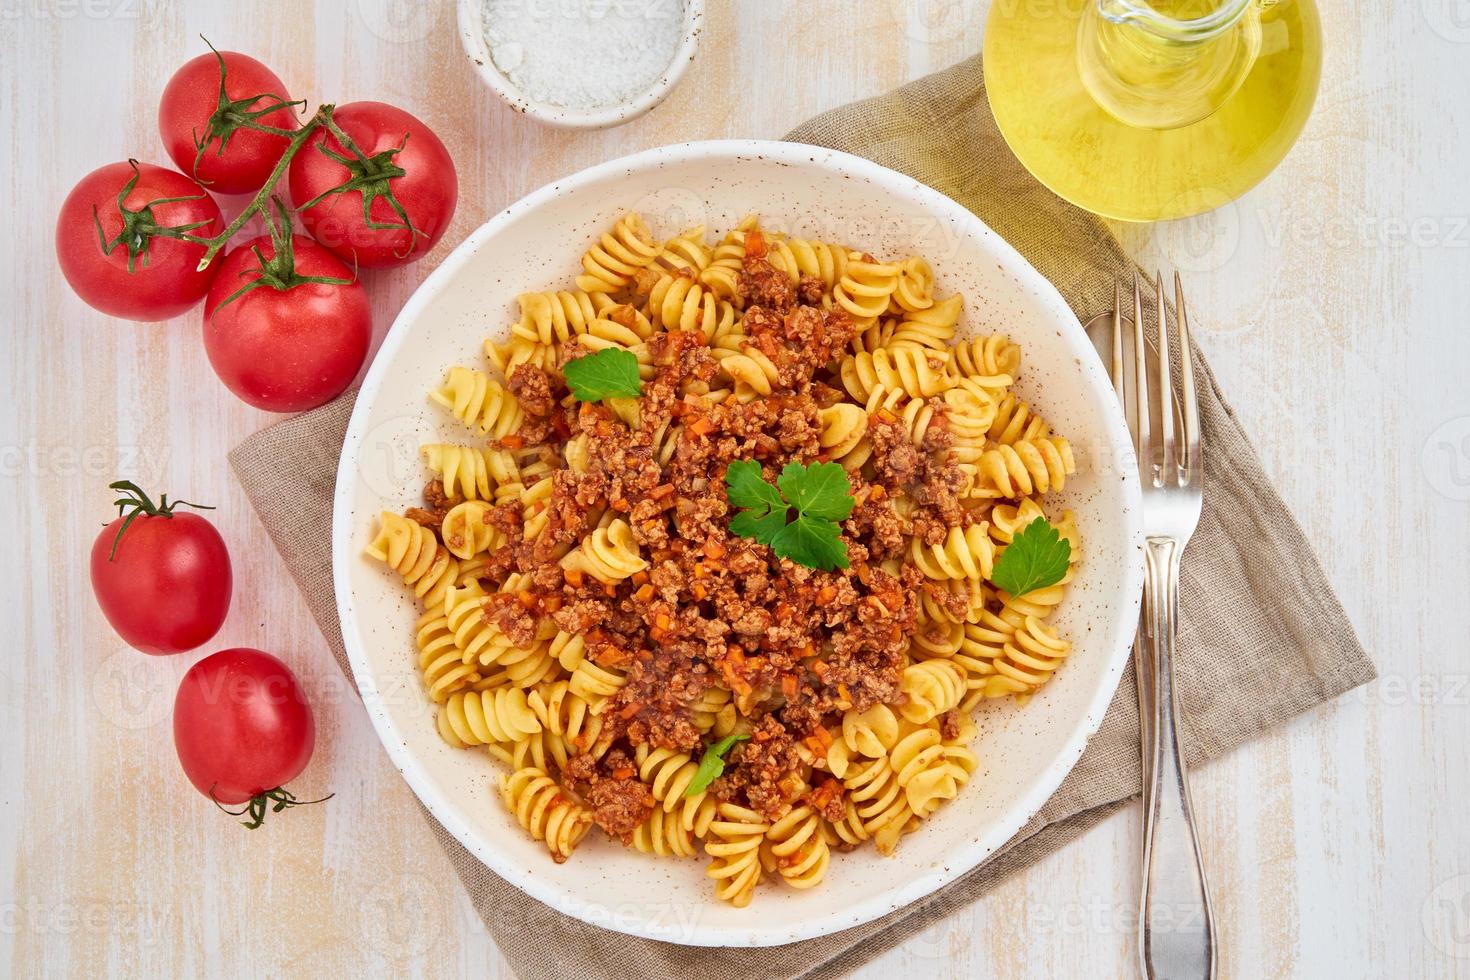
x,y
966,553
686,252
938,639
440,661
850,830
798,848
678,302
878,801
464,471
992,361
933,687
800,257
466,530
547,811
914,291
969,415
924,771
535,503
1030,466
931,328
751,371
411,550
506,357
609,554
1015,422
568,715
555,317
870,732
479,640
662,835
1029,658
479,400
596,684
611,264
865,287
734,844
668,774
482,717
917,373
843,435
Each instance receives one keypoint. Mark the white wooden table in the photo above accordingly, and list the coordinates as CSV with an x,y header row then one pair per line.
x,y
1337,296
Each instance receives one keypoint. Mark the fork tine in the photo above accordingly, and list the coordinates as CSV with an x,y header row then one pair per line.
x,y
1169,461
1143,444
1186,384
1118,384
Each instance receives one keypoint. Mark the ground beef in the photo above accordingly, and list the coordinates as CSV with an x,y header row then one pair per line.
x,y
611,789
762,284
533,389
432,519
435,496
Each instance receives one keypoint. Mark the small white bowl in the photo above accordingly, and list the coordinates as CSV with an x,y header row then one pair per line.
x,y
472,37
815,193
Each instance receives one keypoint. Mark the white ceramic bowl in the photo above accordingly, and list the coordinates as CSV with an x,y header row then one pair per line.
x,y
471,26
536,244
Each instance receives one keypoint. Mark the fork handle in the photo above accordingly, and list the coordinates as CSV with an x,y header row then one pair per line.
x,y
1176,933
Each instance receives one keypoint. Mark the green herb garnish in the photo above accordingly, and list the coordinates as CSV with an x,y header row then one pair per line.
x,y
1036,558
712,764
821,496
609,373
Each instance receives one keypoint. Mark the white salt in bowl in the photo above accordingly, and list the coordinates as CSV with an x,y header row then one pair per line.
x,y
477,48
1024,751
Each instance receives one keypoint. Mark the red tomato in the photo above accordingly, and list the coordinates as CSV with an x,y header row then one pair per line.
x,y
162,282
293,348
404,158
234,158
166,586
242,726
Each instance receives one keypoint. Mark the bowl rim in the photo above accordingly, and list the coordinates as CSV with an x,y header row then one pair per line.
x,y
968,855
472,38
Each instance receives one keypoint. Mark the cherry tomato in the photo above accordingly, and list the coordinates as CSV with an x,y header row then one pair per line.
x,y
287,344
163,580
137,268
242,727
211,133
405,163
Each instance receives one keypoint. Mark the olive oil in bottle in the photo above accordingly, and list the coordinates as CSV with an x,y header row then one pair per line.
x,y
1151,110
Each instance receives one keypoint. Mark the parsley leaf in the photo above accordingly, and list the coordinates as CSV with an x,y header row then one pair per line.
x,y
609,373
820,490
813,542
712,764
822,496
1036,558
746,488
747,524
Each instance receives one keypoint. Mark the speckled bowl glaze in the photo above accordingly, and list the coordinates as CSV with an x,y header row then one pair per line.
x,y
536,244
471,26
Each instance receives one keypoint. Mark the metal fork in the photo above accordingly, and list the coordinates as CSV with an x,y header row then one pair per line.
x,y
1176,934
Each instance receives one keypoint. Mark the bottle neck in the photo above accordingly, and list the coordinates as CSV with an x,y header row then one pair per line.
x,y
1205,21
1168,63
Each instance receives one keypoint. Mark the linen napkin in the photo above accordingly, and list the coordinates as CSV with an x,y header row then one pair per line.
x,y
1264,638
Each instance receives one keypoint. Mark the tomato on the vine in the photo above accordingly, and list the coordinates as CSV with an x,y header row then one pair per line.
x,y
286,326
226,119
384,205
120,240
162,578
243,729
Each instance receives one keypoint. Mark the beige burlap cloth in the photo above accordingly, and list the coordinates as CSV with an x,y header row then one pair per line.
x,y
1264,638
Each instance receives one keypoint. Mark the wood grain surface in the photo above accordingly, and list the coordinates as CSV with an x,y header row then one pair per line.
x,y
1333,301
